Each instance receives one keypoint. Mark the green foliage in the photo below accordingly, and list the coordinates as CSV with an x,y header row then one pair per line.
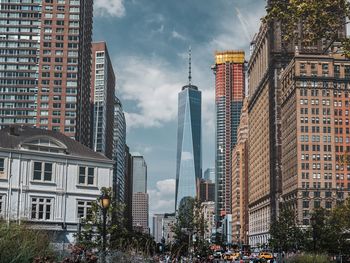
x,y
309,258
21,244
90,235
285,233
308,21
190,222
118,238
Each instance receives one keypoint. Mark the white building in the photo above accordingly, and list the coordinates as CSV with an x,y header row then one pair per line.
x,y
208,209
48,179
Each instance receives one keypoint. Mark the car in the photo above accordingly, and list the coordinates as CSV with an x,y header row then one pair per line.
x,y
228,256
265,255
218,253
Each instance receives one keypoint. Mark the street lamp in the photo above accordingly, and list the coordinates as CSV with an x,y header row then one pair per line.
x,y
105,202
313,222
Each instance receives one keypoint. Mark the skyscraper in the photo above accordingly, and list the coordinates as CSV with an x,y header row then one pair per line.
x,y
315,132
229,95
189,149
209,174
119,151
139,194
102,99
240,180
46,62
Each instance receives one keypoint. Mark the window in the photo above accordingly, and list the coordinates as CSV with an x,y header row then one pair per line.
x,y
2,165
83,209
2,204
41,208
42,171
86,175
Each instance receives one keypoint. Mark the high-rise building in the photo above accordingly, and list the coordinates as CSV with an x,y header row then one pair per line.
x,y
128,188
163,227
229,95
102,99
240,180
189,149
209,174
157,230
46,65
139,193
208,209
206,190
315,132
119,148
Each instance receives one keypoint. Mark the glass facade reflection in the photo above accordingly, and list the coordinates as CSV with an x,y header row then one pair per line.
x,y
189,148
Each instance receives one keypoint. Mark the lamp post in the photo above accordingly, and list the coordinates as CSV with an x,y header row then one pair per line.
x,y
105,202
313,222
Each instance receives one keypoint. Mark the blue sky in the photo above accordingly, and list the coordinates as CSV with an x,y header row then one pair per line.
x,y
148,42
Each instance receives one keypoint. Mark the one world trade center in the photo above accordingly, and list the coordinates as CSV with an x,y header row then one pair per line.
x,y
189,142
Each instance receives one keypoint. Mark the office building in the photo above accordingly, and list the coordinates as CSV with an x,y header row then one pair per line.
x,y
128,189
119,145
269,55
163,227
46,65
189,150
48,180
240,180
229,95
102,99
139,193
157,230
209,174
206,190
208,209
315,132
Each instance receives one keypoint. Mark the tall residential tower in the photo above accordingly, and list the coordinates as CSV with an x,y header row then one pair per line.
x,y
45,65
189,150
229,95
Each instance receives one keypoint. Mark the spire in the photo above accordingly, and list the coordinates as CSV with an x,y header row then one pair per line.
x,y
189,66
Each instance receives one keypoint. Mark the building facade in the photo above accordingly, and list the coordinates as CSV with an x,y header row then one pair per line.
x,y
49,180
209,174
206,190
315,132
208,209
119,151
163,227
102,99
140,200
229,95
157,230
240,181
46,65
189,142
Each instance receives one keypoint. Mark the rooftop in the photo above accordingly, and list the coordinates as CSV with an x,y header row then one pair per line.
x,y
30,138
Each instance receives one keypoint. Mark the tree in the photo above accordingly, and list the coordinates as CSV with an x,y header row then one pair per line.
x,y
190,222
285,233
90,235
308,21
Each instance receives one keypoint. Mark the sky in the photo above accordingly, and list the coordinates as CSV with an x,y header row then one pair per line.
x,y
148,43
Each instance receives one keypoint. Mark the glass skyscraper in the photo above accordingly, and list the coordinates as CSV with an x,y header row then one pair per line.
x,y
189,140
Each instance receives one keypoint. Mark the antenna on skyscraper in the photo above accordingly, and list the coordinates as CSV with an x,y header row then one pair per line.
x,y
189,66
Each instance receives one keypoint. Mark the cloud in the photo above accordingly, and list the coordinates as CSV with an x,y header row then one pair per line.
x,y
177,35
162,197
186,156
109,7
153,86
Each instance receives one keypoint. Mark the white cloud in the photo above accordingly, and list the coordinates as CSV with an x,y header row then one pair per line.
x,y
109,7
177,35
153,86
186,156
163,197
